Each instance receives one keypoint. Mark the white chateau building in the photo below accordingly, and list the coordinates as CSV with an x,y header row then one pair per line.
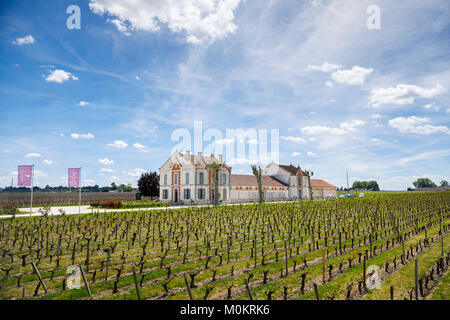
x,y
186,178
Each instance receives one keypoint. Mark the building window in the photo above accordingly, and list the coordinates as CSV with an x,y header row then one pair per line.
x,y
165,194
187,194
165,179
299,182
175,178
187,178
224,194
201,194
201,177
224,178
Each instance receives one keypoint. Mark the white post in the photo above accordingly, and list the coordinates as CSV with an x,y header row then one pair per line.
x,y
79,195
31,200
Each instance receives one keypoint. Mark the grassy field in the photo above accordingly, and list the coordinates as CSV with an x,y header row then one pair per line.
x,y
298,245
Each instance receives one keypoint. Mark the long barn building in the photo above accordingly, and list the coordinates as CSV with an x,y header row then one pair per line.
x,y
187,179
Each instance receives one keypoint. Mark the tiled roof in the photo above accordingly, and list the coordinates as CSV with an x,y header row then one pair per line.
x,y
250,180
321,183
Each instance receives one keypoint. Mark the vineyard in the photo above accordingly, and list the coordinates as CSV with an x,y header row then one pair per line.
x,y
22,199
299,250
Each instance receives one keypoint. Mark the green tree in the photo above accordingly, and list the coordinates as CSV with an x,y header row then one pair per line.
x,y
373,185
113,186
444,183
424,183
356,185
148,184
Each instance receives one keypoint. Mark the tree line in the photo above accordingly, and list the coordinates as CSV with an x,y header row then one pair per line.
x,y
96,188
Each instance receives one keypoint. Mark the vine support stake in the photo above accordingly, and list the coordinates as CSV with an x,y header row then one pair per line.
x,y
186,281
416,278
85,281
248,289
316,291
39,276
136,283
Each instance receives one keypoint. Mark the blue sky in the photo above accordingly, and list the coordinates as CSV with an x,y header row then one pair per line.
x,y
108,97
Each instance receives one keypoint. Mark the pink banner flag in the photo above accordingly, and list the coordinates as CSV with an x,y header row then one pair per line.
x,y
74,177
25,174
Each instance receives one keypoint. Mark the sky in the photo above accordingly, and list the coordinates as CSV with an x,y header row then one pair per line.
x,y
357,86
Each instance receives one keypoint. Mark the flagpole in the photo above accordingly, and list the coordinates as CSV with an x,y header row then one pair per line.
x,y
79,195
31,200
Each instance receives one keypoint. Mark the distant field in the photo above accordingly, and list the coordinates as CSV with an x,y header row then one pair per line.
x,y
21,199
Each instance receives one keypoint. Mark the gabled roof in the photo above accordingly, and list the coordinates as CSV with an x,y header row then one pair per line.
x,y
250,180
321,183
291,169
200,161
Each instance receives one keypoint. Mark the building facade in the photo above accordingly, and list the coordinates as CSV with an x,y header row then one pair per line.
x,y
187,179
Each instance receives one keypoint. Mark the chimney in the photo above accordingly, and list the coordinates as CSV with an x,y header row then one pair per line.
x,y
188,155
200,154
221,157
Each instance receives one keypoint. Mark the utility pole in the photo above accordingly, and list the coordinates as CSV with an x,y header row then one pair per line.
x,y
347,180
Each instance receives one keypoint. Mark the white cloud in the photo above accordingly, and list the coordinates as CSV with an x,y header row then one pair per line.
x,y
139,146
82,136
417,125
39,174
325,67
424,156
447,110
311,114
48,161
352,126
138,78
329,84
376,116
33,155
353,76
60,76
431,106
295,154
310,154
61,134
344,127
121,26
106,161
24,40
83,103
137,172
119,144
293,139
403,94
199,20
107,170
88,181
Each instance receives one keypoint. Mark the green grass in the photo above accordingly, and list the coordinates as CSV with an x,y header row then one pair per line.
x,y
442,291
